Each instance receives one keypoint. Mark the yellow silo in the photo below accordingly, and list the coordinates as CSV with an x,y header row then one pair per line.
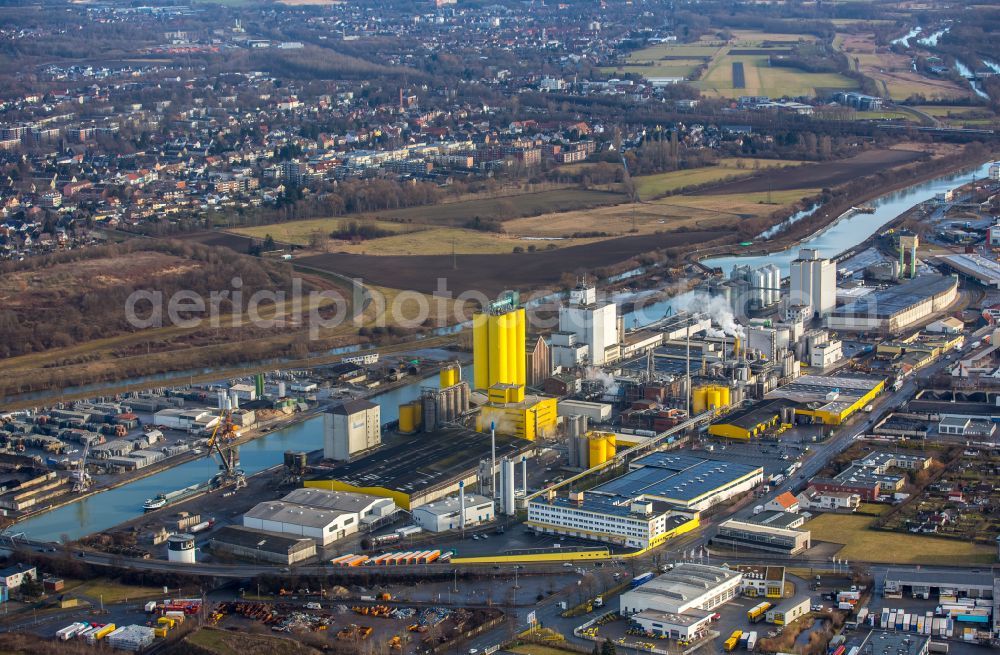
x,y
407,419
481,348
598,450
610,446
449,376
699,400
725,396
713,398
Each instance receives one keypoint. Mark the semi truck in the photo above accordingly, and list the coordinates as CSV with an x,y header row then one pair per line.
x,y
731,643
757,612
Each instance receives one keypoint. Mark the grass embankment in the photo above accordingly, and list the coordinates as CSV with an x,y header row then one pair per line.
x,y
866,545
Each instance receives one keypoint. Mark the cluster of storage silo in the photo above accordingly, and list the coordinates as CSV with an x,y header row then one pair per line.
x,y
587,450
437,406
710,397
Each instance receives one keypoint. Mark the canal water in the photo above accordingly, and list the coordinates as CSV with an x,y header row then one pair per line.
x,y
852,230
104,510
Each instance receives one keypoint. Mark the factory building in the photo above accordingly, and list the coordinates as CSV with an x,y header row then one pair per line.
x,y
683,482
754,421
883,642
870,477
740,535
636,523
446,514
370,510
499,369
594,326
687,587
892,310
260,546
325,526
350,428
829,399
498,336
813,282
415,470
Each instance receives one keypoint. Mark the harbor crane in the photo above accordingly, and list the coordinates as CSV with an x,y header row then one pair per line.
x,y
222,442
81,479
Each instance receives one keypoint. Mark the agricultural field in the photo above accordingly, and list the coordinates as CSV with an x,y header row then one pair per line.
x,y
300,233
667,60
445,240
894,72
867,545
652,186
504,207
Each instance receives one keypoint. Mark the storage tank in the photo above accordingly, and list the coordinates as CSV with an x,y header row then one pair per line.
x,y
449,376
572,457
429,403
713,399
598,450
463,390
498,354
407,418
454,402
281,389
725,397
180,548
698,400
610,446
583,451
507,486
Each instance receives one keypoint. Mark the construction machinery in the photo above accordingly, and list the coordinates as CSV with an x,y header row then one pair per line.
x,y
223,442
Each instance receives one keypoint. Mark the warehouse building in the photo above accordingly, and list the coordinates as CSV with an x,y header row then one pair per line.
x,y
683,481
882,642
446,514
830,399
325,526
974,267
416,469
370,510
786,613
892,310
262,546
691,625
752,422
687,587
637,523
738,534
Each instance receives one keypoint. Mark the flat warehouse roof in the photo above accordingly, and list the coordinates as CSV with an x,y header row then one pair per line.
x,y
886,303
684,485
975,266
754,415
414,463
983,580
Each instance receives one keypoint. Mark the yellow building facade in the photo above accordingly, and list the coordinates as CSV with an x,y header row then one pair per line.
x,y
534,416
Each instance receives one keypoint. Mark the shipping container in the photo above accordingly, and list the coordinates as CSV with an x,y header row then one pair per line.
x,y
67,633
752,641
734,639
641,579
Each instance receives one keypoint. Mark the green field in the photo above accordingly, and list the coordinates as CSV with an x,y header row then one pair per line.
x,y
299,232
652,186
865,545
765,80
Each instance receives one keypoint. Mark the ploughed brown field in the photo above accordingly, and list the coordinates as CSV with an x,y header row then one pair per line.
x,y
816,176
492,274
